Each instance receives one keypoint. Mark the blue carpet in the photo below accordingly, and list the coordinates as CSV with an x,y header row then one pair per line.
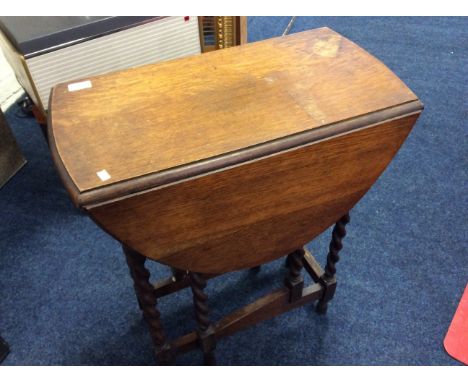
x,y
66,297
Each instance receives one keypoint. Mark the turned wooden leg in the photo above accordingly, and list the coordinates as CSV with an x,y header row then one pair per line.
x,y
147,302
328,279
294,280
205,330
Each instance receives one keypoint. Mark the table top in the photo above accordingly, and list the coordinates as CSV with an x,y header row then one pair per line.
x,y
216,109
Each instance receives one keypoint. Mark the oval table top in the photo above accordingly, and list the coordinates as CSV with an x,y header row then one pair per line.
x,y
116,129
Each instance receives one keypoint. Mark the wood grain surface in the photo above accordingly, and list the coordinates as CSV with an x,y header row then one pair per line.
x,y
160,117
234,158
252,213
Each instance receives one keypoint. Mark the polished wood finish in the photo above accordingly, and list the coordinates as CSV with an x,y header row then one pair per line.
x,y
312,267
328,277
163,116
336,245
205,336
147,302
205,330
281,300
265,308
230,160
299,128
250,214
173,284
114,191
294,281
272,304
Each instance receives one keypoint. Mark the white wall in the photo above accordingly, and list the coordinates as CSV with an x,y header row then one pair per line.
x,y
10,89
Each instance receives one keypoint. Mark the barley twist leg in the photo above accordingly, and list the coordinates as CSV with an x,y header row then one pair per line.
x,y
147,302
294,280
205,330
339,232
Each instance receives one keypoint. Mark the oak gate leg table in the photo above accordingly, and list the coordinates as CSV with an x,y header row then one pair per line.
x,y
228,160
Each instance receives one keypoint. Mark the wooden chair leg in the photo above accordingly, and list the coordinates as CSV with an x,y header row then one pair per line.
x,y
294,280
147,302
328,279
205,330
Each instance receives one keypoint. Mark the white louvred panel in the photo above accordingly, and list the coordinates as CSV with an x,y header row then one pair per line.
x,y
159,40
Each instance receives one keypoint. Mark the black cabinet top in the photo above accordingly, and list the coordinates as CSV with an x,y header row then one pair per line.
x,y
35,35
